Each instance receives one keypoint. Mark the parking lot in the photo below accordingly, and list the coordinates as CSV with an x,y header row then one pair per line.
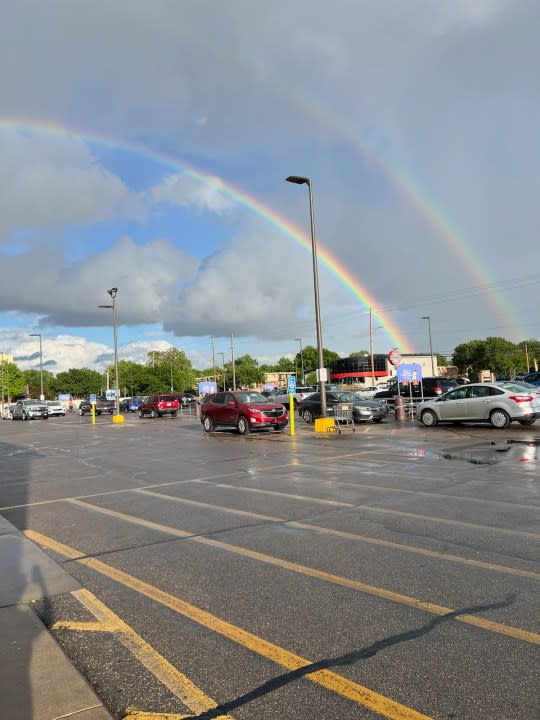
x,y
388,572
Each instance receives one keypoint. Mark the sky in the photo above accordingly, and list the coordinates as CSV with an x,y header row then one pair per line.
x,y
145,146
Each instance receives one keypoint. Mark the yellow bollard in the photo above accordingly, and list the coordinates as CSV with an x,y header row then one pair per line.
x,y
291,413
118,418
93,413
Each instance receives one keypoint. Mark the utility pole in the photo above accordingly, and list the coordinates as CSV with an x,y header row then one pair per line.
x,y
233,363
224,375
371,347
214,359
527,357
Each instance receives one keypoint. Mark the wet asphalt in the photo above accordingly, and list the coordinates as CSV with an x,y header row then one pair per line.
x,y
390,572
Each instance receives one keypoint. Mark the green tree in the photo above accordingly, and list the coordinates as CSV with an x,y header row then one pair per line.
x,y
171,369
248,372
79,382
12,380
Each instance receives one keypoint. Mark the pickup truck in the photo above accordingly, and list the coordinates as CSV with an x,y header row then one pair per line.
x,y
29,409
102,406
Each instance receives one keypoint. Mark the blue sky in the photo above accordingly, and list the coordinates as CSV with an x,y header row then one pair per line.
x,y
443,92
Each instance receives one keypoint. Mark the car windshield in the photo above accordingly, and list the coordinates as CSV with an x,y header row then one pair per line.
x,y
347,396
251,397
53,402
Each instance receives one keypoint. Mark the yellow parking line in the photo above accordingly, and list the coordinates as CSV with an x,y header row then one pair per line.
x,y
432,608
349,536
162,669
331,681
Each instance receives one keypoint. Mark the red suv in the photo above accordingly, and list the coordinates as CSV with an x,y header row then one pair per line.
x,y
158,405
245,410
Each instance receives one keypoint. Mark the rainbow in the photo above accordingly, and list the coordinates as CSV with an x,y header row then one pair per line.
x,y
415,196
284,225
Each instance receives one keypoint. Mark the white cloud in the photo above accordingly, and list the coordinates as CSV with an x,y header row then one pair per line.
x,y
49,182
183,190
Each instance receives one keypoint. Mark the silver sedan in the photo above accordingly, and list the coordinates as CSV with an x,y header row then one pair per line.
x,y
481,402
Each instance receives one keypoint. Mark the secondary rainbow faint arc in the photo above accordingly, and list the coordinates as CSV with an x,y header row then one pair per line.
x,y
414,195
242,197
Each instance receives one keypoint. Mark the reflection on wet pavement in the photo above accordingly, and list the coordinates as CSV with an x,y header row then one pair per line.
x,y
523,451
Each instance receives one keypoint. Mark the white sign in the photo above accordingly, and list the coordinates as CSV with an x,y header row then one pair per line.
x,y
110,394
322,375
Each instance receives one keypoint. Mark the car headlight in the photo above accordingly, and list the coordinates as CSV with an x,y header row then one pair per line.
x,y
364,411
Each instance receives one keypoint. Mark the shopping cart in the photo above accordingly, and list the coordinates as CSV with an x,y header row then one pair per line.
x,y
343,416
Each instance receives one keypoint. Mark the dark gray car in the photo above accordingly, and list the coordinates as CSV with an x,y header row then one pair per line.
x,y
364,410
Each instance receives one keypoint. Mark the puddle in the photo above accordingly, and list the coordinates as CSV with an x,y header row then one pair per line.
x,y
522,451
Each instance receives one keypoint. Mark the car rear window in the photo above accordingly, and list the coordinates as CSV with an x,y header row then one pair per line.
x,y
167,398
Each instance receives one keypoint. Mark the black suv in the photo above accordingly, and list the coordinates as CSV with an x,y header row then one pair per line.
x,y
431,387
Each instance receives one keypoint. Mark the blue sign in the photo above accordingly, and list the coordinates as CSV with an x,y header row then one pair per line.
x,y
291,384
110,394
411,372
207,387
64,396
93,398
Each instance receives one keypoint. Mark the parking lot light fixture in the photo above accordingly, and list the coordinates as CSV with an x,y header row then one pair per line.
x,y
300,180
42,396
113,292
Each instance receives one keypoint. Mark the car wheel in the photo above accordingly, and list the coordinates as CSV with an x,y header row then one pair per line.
x,y
153,414
429,418
208,425
278,428
25,416
243,425
499,419
307,416
174,414
526,421
141,414
377,420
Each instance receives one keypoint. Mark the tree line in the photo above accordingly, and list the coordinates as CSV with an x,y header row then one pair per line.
x,y
171,370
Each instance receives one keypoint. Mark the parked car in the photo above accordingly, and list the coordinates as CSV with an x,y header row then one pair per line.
x,y
245,410
533,378
103,406
130,404
29,410
364,410
186,399
55,408
481,402
159,405
431,387
281,395
368,391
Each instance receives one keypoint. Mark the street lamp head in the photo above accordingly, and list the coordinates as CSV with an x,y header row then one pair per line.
x,y
112,292
105,306
298,180
425,317
35,335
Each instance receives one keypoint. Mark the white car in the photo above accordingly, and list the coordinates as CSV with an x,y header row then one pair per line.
x,y
481,402
55,408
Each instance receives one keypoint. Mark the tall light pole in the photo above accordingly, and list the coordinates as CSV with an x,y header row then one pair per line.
x,y
112,292
2,354
301,359
298,180
426,317
42,396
